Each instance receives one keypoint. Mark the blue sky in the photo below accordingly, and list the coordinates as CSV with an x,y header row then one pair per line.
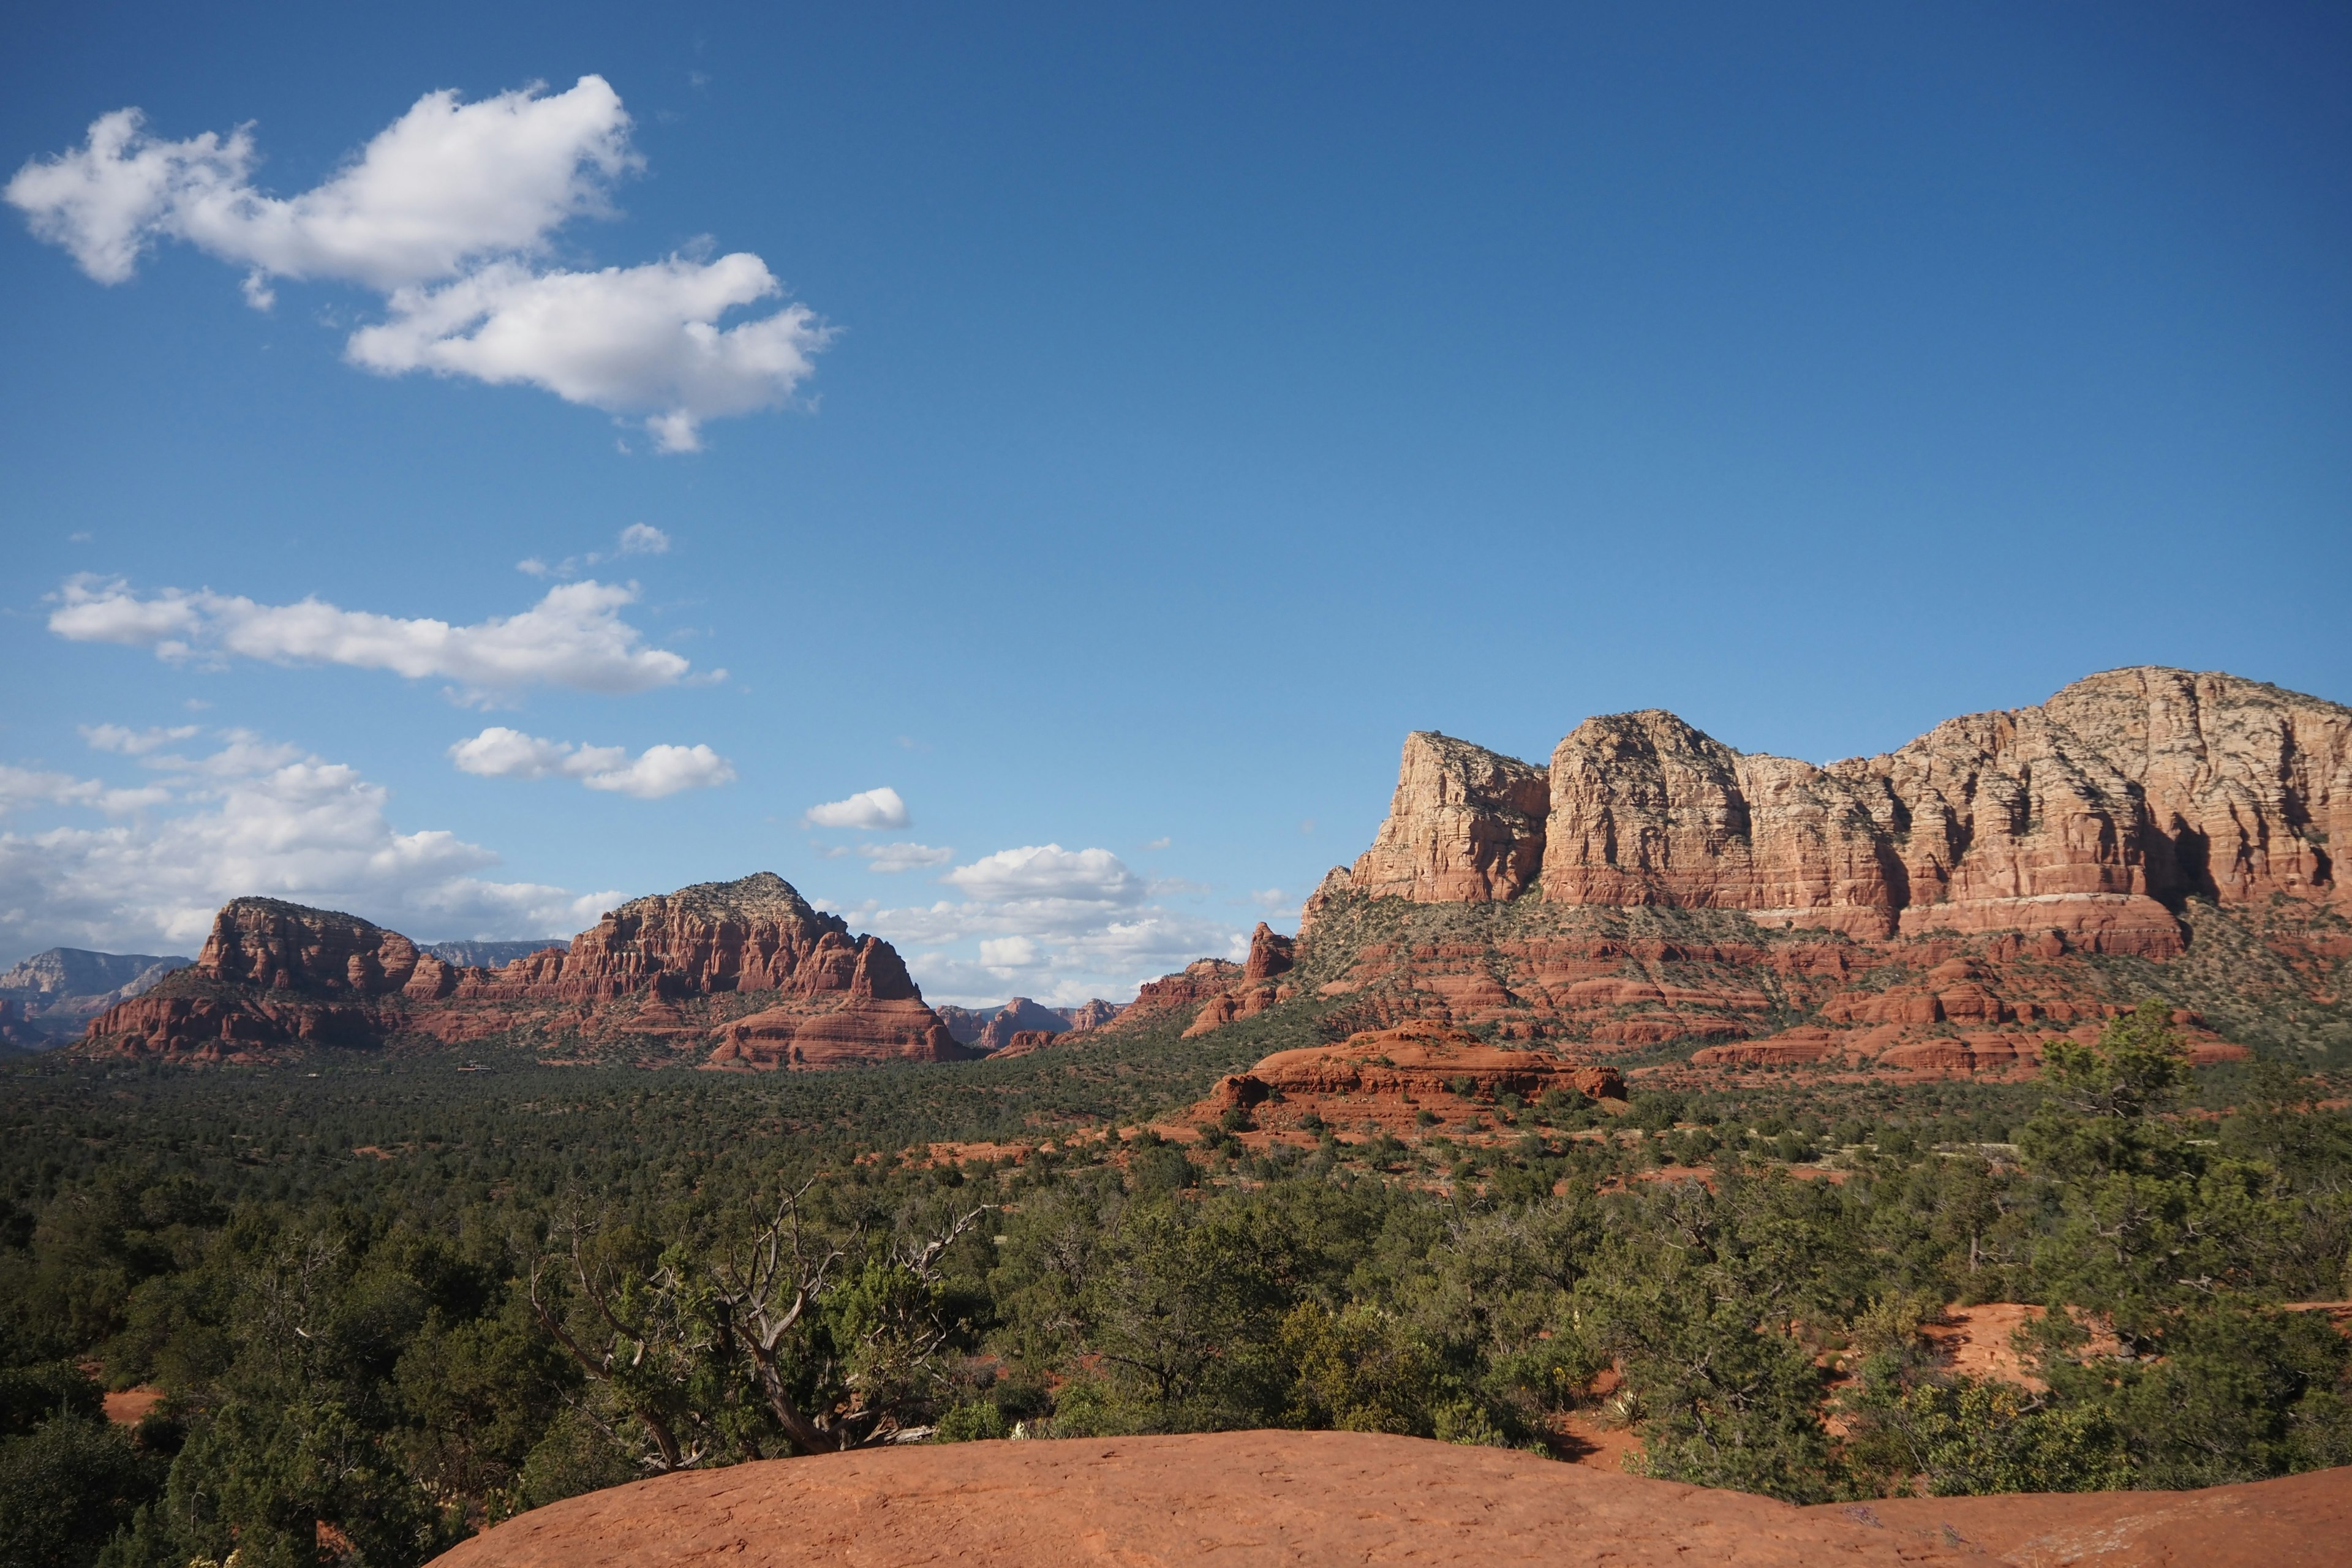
x,y
1152,415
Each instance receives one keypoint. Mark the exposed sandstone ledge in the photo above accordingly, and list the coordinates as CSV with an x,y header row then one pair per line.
x,y
1292,1498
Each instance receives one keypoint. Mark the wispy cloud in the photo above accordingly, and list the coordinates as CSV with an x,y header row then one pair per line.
x,y
573,637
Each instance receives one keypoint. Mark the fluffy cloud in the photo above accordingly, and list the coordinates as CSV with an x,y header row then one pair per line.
x,y
500,752
869,808
448,211
574,637
1048,873
249,819
643,538
443,184
1056,924
628,340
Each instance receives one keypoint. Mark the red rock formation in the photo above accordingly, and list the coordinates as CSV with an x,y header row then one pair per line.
x,y
273,946
1646,810
1250,1499
2079,816
1024,1041
1265,1498
1390,1076
275,976
272,975
1195,984
1466,825
1270,954
1093,1015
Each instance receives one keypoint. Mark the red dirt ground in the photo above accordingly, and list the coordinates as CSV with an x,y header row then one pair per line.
x,y
1300,1498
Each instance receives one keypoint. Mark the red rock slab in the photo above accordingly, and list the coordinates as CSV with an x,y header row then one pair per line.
x,y
1245,1499
2295,1521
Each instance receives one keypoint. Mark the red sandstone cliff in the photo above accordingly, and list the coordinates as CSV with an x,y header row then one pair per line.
x,y
1930,910
2086,815
1465,823
746,972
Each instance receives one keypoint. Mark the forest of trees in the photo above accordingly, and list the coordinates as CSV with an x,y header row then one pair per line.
x,y
386,1305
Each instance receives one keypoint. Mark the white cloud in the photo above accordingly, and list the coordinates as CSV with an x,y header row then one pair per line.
x,y
500,752
574,637
869,808
903,856
632,341
133,742
22,787
638,538
1048,872
448,212
1009,952
1056,924
444,185
244,820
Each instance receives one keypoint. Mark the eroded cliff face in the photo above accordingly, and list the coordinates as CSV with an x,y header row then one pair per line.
x,y
2004,878
2087,815
740,974
1466,825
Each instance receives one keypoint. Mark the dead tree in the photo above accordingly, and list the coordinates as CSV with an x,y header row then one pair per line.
x,y
628,1326
762,1292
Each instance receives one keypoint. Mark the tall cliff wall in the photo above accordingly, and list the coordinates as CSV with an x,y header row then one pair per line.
x,y
2085,816
1466,825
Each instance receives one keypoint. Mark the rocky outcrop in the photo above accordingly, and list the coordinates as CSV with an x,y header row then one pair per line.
x,y
1196,983
1093,1015
1393,1076
1271,953
745,971
1464,825
2087,816
272,945
1263,1498
272,975
1647,810
1027,1040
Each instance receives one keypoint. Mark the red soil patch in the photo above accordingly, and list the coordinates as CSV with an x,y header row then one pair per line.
x,y
1240,1498
1294,1498
129,1406
1975,1341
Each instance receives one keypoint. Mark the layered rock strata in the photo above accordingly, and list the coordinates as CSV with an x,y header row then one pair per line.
x,y
746,972
2087,815
1465,823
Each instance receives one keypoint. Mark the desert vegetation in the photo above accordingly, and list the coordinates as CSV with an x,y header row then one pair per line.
x,y
385,1301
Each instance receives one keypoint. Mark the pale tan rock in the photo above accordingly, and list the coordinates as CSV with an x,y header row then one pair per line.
x,y
1464,825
